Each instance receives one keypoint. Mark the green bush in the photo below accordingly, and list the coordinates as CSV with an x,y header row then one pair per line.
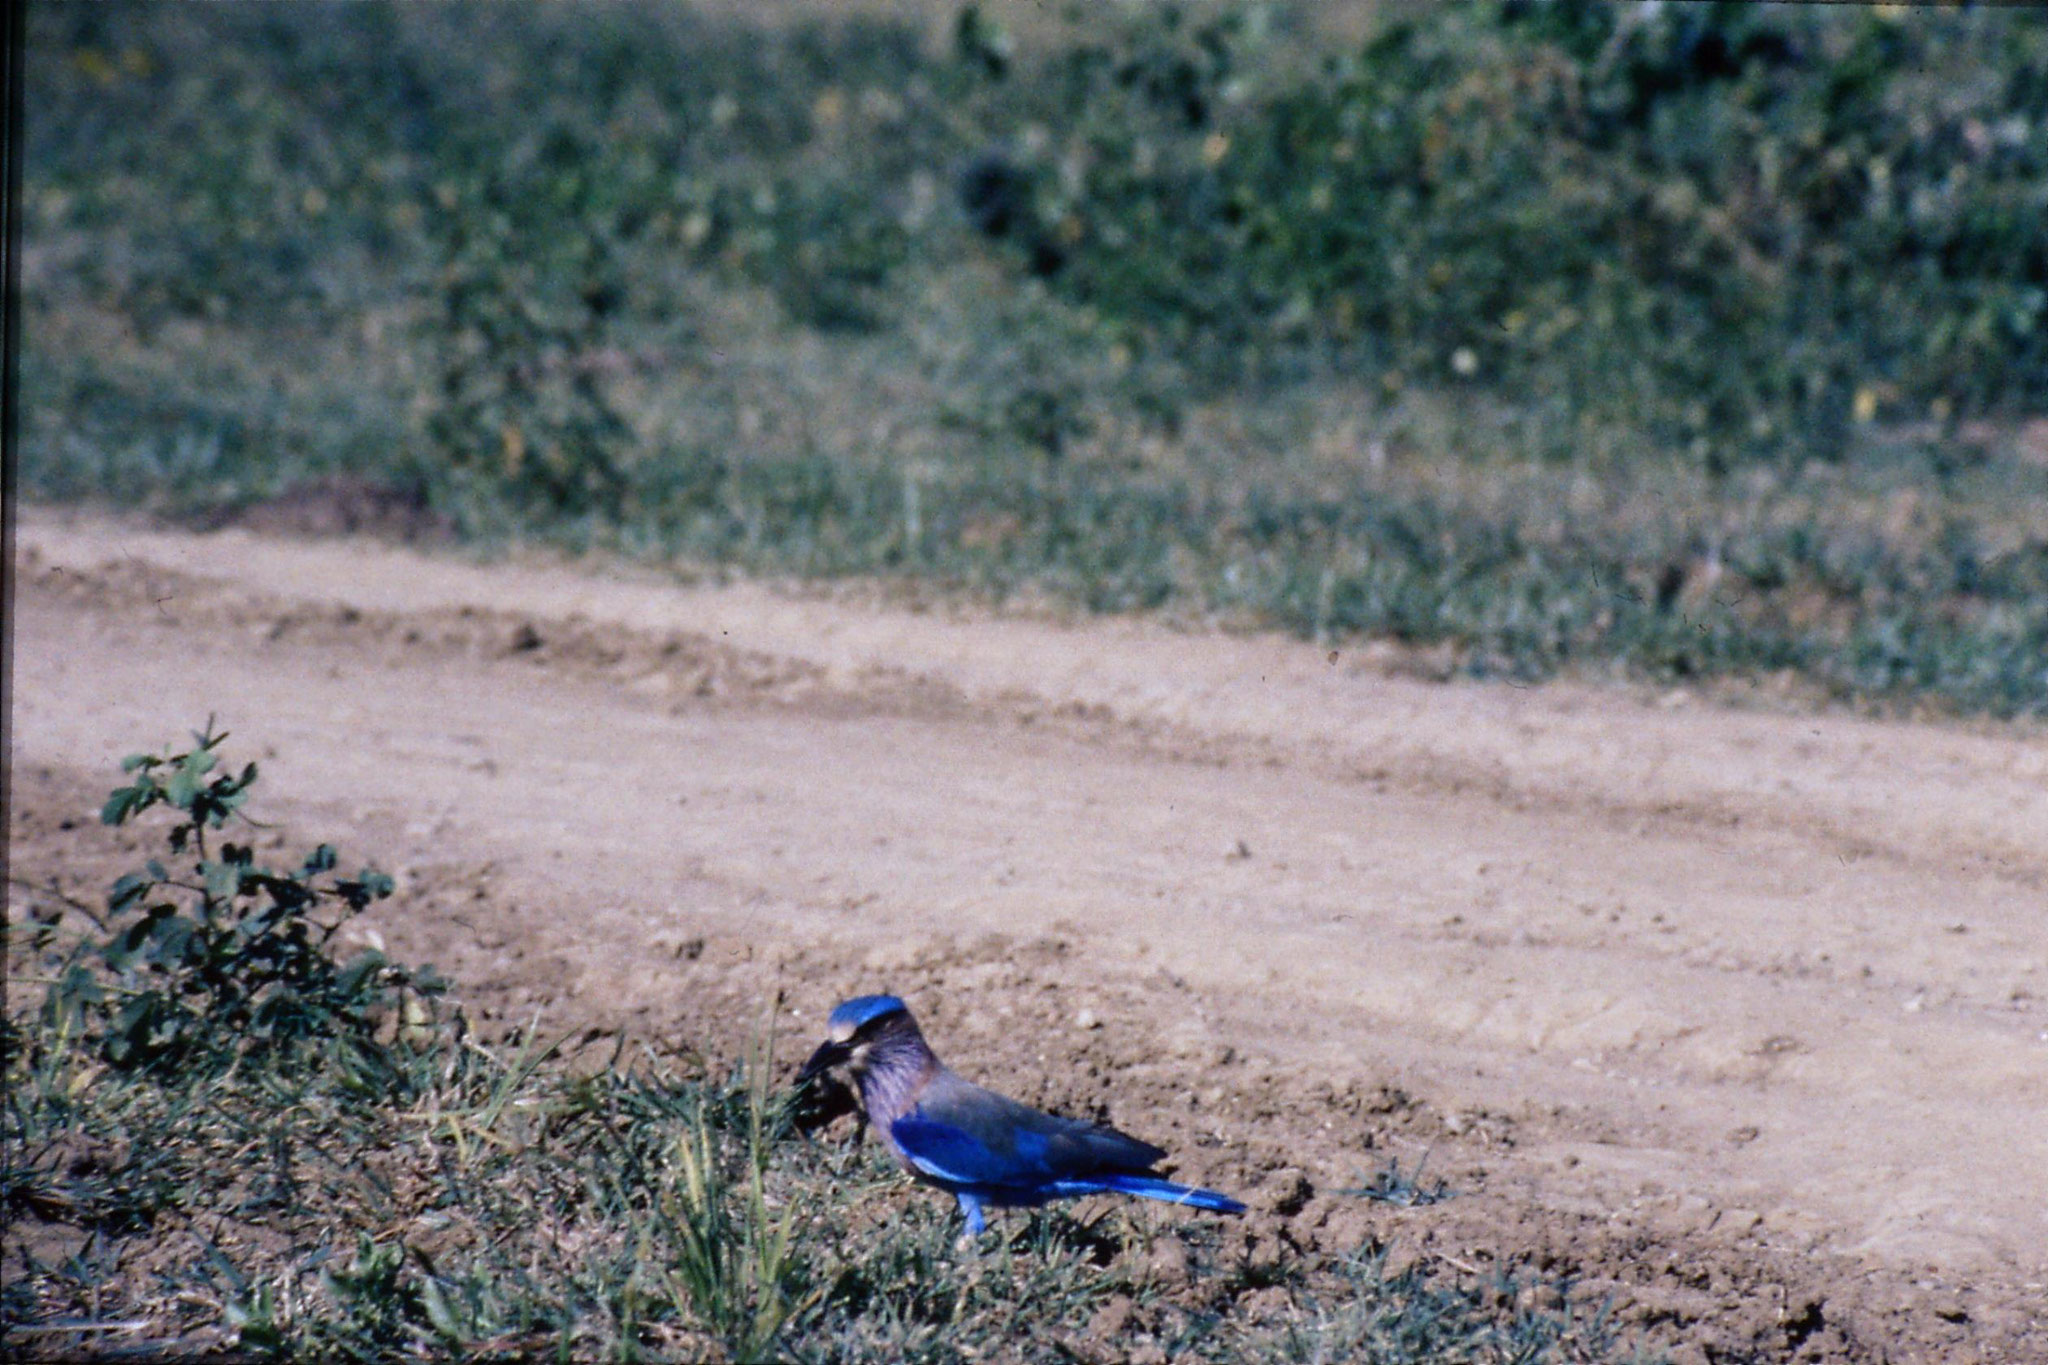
x,y
222,960
1727,227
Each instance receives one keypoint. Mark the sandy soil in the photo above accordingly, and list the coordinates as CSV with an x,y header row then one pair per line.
x,y
1737,1014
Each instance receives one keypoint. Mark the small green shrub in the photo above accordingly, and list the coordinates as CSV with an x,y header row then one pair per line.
x,y
518,415
222,959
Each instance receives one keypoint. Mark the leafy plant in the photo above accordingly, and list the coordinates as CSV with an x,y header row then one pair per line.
x,y
222,958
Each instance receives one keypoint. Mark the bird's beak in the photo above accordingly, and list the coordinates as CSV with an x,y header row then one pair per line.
x,y
828,1055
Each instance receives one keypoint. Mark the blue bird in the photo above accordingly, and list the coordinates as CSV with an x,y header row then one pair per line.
x,y
979,1146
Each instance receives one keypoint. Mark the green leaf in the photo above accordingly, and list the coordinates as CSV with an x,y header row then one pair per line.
x,y
120,950
134,761
223,880
127,891
228,797
75,992
185,783
172,941
319,860
357,894
136,1012
183,786
123,802
359,970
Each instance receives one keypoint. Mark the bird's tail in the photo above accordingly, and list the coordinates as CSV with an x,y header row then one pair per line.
x,y
1152,1187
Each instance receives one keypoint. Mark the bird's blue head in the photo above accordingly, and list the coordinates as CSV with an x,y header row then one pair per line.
x,y
850,1033
856,1014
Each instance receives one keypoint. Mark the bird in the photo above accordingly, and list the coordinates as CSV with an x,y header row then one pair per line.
x,y
980,1147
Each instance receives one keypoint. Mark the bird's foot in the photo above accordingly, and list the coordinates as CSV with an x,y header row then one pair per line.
x,y
976,1223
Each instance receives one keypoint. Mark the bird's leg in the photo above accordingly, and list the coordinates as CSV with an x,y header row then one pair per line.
x,y
971,1206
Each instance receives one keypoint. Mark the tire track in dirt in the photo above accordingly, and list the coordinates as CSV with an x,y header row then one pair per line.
x,y
1758,984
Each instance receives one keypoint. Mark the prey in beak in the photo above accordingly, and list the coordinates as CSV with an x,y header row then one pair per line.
x,y
830,1054
822,1099
853,1032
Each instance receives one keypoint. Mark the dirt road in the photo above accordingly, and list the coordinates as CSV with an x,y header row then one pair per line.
x,y
1738,1014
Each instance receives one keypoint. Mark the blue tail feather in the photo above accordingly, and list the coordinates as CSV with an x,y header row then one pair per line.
x,y
1152,1187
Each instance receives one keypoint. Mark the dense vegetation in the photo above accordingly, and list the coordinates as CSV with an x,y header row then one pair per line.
x,y
1701,339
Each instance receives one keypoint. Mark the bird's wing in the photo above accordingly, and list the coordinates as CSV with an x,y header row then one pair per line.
x,y
945,1153
962,1133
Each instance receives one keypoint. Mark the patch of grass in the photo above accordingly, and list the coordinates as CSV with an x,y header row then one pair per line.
x,y
1406,1189
375,1187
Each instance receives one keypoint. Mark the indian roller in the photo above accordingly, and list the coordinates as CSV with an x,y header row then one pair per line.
x,y
981,1147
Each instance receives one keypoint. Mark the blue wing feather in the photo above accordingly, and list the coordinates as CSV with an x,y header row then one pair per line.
x,y
1012,1143
946,1153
